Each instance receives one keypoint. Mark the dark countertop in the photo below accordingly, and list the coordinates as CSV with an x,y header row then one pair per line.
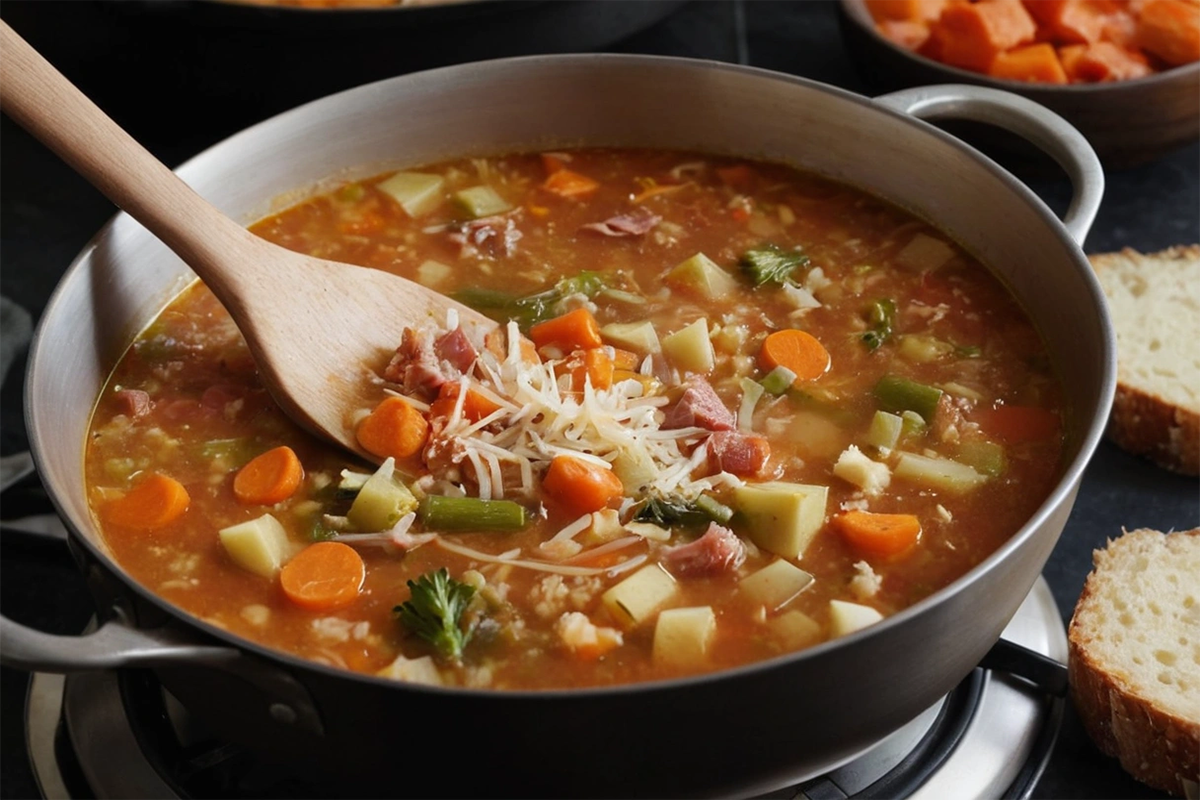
x,y
180,84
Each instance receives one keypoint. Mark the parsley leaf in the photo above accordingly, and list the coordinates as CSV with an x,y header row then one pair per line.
x,y
771,264
435,610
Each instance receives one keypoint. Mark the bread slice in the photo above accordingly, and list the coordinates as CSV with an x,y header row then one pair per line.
x,y
1134,655
1154,301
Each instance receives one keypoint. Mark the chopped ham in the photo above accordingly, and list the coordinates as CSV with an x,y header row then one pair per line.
x,y
742,454
635,223
488,236
719,550
700,407
454,347
134,403
415,364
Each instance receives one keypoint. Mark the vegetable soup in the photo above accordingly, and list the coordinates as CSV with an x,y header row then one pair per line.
x,y
730,410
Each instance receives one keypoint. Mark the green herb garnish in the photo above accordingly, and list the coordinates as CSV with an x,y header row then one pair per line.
x,y
434,612
666,512
529,310
771,264
882,317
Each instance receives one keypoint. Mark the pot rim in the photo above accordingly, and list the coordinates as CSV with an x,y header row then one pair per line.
x,y
1067,484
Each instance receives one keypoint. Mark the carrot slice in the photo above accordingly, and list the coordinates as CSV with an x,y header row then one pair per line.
x,y
880,535
577,330
1170,29
974,33
579,486
1036,62
155,502
394,428
476,405
568,183
625,359
796,350
597,365
323,575
1015,424
269,478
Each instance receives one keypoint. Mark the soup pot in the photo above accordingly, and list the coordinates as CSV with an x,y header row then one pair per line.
x,y
741,731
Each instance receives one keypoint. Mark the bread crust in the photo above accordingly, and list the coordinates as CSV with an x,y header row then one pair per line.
x,y
1154,745
1142,422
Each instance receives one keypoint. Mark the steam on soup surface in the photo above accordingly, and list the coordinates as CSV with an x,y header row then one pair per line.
x,y
731,411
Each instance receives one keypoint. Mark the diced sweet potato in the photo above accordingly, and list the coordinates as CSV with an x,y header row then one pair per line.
x,y
906,34
1067,21
972,35
1036,62
905,10
1170,30
1104,61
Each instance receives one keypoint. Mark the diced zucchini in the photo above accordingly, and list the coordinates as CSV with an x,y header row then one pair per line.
x,y
923,253
632,601
937,473
795,629
701,275
481,201
774,584
381,501
846,617
682,637
639,337
898,394
885,430
920,348
432,273
418,193
258,545
782,517
690,348
983,456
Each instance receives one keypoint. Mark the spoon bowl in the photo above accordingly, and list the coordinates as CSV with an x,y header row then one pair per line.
x,y
316,328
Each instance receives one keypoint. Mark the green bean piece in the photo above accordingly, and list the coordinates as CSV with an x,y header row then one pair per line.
x,y
441,513
882,317
901,394
719,512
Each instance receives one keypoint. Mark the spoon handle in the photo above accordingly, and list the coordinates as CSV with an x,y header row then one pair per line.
x,y
40,99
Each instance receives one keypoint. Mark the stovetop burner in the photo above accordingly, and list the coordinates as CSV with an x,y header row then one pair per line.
x,y
119,734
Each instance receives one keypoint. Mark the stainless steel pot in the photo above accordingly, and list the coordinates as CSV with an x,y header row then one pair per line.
x,y
738,732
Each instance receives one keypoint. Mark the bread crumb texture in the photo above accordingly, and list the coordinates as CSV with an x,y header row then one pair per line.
x,y
1154,302
1134,657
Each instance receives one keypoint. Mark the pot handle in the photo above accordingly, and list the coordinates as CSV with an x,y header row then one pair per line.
x,y
1032,121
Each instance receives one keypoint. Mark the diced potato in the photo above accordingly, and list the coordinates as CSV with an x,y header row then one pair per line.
x,y
701,274
258,545
870,476
885,430
846,617
413,670
937,473
922,349
639,337
418,193
632,601
815,436
682,637
774,584
782,517
606,526
923,253
432,273
730,338
635,467
795,629
481,201
690,348
382,500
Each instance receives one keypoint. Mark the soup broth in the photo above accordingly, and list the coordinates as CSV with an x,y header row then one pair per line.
x,y
731,410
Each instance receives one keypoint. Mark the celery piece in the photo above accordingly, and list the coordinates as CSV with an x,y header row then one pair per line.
x,y
441,513
418,193
885,430
719,512
983,456
778,380
481,201
901,394
911,423
937,473
751,392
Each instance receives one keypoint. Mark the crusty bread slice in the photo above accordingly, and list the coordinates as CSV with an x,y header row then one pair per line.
x,y
1134,656
1154,301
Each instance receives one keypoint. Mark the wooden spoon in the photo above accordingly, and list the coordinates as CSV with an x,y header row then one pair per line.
x,y
314,327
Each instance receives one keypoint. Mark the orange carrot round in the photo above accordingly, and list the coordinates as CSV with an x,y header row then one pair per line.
x,y
394,429
568,183
881,535
323,575
579,486
155,502
575,330
269,478
795,350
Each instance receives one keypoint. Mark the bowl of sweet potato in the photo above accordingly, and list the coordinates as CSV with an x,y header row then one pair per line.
x,y
1126,73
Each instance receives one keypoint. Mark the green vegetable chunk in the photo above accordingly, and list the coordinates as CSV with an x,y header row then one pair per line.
x,y
896,394
771,264
529,310
470,514
381,501
481,201
778,380
882,316
666,512
434,612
